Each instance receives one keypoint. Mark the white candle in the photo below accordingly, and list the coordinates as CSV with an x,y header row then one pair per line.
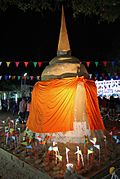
x,y
55,149
78,155
12,123
67,158
54,143
82,159
7,135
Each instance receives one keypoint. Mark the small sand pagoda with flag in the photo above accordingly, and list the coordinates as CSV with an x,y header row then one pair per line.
x,y
64,103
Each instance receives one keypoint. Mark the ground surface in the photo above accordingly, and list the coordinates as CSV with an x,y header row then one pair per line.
x,y
8,169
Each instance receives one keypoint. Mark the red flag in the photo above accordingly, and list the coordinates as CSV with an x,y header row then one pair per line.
x,y
88,63
17,63
103,74
39,64
105,63
31,77
26,64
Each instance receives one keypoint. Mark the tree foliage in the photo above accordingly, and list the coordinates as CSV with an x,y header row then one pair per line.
x,y
105,9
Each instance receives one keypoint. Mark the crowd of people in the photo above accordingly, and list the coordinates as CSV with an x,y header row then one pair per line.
x,y
110,107
24,108
20,108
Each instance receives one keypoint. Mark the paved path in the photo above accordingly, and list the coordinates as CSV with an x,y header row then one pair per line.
x,y
12,167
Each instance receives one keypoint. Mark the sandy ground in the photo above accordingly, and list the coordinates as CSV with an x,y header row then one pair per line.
x,y
9,169
12,167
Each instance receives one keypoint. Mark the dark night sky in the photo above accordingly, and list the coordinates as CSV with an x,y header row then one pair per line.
x,y
34,37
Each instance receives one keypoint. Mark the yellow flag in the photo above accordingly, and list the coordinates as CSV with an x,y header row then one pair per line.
x,y
90,151
59,157
11,130
8,63
13,77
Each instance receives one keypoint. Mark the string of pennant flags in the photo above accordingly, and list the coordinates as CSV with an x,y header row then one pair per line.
x,y
15,77
26,63
100,76
31,77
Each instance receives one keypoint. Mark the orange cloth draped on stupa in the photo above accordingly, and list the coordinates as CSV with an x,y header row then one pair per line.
x,y
52,105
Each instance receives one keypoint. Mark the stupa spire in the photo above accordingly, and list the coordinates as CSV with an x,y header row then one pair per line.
x,y
63,44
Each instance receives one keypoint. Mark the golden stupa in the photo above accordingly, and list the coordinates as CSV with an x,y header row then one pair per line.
x,y
64,108
64,103
63,65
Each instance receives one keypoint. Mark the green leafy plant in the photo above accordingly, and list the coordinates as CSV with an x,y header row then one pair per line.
x,y
105,9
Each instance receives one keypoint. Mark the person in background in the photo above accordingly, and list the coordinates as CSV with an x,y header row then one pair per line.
x,y
14,108
28,108
22,108
112,106
104,105
117,107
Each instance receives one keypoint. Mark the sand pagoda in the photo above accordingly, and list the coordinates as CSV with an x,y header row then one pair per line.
x,y
64,103
64,117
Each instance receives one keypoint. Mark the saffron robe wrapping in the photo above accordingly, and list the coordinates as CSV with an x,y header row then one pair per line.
x,y
55,105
